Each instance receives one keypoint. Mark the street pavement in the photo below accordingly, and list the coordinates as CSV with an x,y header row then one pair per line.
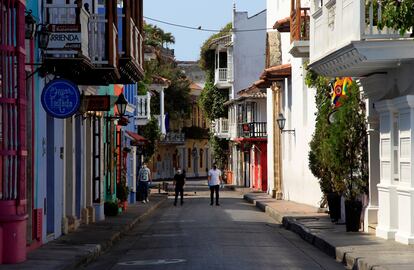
x,y
357,250
234,235
88,242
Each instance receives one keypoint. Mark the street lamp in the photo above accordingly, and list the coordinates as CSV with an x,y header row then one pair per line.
x,y
31,29
121,104
43,36
281,121
30,25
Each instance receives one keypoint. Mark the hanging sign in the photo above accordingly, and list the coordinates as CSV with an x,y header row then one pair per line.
x,y
340,90
65,37
60,98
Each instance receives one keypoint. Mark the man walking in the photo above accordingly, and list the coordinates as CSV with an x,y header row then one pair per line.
x,y
214,181
179,182
144,176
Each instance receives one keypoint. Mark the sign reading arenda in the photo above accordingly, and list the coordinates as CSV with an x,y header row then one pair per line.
x,y
61,98
65,36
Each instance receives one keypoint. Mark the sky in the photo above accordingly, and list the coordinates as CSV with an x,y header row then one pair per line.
x,y
209,14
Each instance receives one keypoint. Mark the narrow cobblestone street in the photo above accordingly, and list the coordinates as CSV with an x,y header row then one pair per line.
x,y
234,235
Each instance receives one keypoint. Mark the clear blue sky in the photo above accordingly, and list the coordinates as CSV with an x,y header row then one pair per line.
x,y
209,14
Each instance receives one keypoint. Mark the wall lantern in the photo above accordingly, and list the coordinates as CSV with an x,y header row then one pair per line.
x,y
121,104
30,25
31,29
281,121
43,36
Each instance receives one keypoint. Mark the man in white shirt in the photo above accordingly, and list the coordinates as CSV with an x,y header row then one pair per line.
x,y
214,181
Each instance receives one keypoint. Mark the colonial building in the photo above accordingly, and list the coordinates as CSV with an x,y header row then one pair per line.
x,y
67,168
239,60
289,99
346,41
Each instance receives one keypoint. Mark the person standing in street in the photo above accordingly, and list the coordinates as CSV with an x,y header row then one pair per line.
x,y
144,176
179,182
214,181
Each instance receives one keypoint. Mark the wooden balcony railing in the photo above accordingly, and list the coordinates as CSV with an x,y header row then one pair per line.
x,y
252,130
97,28
299,21
136,44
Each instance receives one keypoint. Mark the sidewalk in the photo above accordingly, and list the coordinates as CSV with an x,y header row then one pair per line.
x,y
358,251
88,242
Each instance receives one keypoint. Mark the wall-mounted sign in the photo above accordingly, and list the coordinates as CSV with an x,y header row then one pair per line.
x,y
96,103
61,98
65,36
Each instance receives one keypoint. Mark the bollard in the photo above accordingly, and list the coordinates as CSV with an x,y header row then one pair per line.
x,y
159,188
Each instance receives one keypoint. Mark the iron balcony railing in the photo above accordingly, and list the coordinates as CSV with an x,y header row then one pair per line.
x,y
252,130
173,138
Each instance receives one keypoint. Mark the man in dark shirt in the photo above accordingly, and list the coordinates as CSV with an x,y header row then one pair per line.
x,y
179,181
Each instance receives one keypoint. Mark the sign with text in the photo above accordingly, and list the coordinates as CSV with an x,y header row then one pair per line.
x,y
61,98
96,103
65,36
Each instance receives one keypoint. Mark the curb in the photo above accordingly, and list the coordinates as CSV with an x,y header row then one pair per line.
x,y
343,255
97,249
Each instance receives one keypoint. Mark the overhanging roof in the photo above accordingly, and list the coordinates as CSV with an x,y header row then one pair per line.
x,y
282,25
277,73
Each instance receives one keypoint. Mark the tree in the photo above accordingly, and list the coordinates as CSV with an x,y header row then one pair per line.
x,y
338,154
212,101
152,133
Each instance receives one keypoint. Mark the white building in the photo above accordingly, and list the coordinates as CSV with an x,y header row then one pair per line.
x,y
345,41
240,58
288,50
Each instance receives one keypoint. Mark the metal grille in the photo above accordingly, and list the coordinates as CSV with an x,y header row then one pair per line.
x,y
13,101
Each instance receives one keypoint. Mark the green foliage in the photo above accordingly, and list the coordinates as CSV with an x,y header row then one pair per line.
x,y
338,154
176,96
207,55
111,208
348,145
397,15
212,101
220,150
195,132
156,37
122,191
152,133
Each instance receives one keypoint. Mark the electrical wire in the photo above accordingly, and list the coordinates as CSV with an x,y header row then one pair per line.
x,y
204,29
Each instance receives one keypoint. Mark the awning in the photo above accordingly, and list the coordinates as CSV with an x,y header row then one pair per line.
x,y
136,137
277,73
282,25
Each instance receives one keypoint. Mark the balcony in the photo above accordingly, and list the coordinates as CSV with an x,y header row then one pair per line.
x,y
132,60
223,77
347,42
221,128
143,109
299,29
82,46
173,138
252,130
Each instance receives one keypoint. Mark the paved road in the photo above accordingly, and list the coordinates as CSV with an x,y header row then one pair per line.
x,y
234,235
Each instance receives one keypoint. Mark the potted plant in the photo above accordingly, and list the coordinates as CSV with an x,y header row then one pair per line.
x,y
349,154
111,208
319,161
122,192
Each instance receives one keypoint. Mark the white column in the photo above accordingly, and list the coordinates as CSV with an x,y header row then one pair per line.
x,y
387,192
405,185
371,212
162,126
